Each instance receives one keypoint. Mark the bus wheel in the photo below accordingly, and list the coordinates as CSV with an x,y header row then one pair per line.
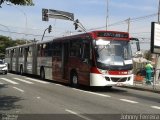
x,y
108,87
5,72
74,80
42,74
21,70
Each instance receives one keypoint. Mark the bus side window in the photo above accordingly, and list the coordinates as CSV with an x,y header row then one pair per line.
x,y
21,52
29,52
57,49
14,52
39,50
86,52
75,48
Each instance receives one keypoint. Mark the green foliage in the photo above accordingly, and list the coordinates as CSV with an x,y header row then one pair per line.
x,y
22,2
148,55
7,42
19,2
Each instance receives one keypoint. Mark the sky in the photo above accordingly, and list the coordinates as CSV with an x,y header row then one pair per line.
x,y
25,22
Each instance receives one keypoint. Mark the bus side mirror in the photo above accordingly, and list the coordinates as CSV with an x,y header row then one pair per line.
x,y
137,43
138,46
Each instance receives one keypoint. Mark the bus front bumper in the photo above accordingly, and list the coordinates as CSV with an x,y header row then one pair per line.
x,y
110,80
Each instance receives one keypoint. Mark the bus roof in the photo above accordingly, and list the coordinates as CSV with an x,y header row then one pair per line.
x,y
93,34
99,34
18,46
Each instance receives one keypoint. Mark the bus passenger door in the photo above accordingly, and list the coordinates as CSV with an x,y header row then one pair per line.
x,y
65,60
11,62
84,68
25,59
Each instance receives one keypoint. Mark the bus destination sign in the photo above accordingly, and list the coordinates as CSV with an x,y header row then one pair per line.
x,y
112,34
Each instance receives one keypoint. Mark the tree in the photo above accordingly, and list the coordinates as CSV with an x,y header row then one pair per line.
x,y
18,2
8,42
148,55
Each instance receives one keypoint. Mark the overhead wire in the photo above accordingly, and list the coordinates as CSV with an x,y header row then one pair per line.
x,y
125,21
113,24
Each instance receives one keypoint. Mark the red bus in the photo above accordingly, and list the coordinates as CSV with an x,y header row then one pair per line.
x,y
97,58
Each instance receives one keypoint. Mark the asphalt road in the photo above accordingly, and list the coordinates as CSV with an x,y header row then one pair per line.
x,y
26,98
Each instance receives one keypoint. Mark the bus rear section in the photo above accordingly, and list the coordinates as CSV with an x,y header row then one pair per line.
x,y
22,59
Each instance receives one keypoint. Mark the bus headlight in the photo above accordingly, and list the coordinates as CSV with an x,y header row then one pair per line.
x,y
103,71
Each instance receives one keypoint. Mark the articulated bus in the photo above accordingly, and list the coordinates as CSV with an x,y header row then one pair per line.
x,y
97,58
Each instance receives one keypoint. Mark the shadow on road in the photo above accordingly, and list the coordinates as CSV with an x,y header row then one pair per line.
x,y
8,102
102,89
3,86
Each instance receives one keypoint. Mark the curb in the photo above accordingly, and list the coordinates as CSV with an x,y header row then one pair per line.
x,y
143,88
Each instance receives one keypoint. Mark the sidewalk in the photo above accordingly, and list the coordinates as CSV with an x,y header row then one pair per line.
x,y
141,85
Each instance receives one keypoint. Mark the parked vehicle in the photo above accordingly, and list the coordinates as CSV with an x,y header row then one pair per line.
x,y
3,67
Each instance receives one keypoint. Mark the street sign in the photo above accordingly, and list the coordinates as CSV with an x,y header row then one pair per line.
x,y
155,37
45,15
61,15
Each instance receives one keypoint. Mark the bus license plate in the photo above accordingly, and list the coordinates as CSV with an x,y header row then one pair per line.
x,y
119,84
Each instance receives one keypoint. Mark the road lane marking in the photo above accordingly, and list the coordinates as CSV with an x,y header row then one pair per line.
x,y
38,97
74,113
129,101
156,107
58,84
93,93
18,89
1,83
10,81
22,80
36,80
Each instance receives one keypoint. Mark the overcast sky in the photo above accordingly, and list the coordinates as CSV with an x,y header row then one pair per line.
x,y
91,13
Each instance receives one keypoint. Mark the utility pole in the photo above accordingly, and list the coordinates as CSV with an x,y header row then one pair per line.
x,y
157,70
158,10
128,22
107,16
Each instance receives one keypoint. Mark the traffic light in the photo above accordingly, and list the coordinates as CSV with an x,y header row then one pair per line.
x,y
76,24
49,29
45,16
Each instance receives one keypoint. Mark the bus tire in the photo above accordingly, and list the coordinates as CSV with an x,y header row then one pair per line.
x,y
5,72
42,74
74,80
108,87
21,70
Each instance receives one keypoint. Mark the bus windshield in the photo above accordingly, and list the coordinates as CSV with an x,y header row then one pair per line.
x,y
115,53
